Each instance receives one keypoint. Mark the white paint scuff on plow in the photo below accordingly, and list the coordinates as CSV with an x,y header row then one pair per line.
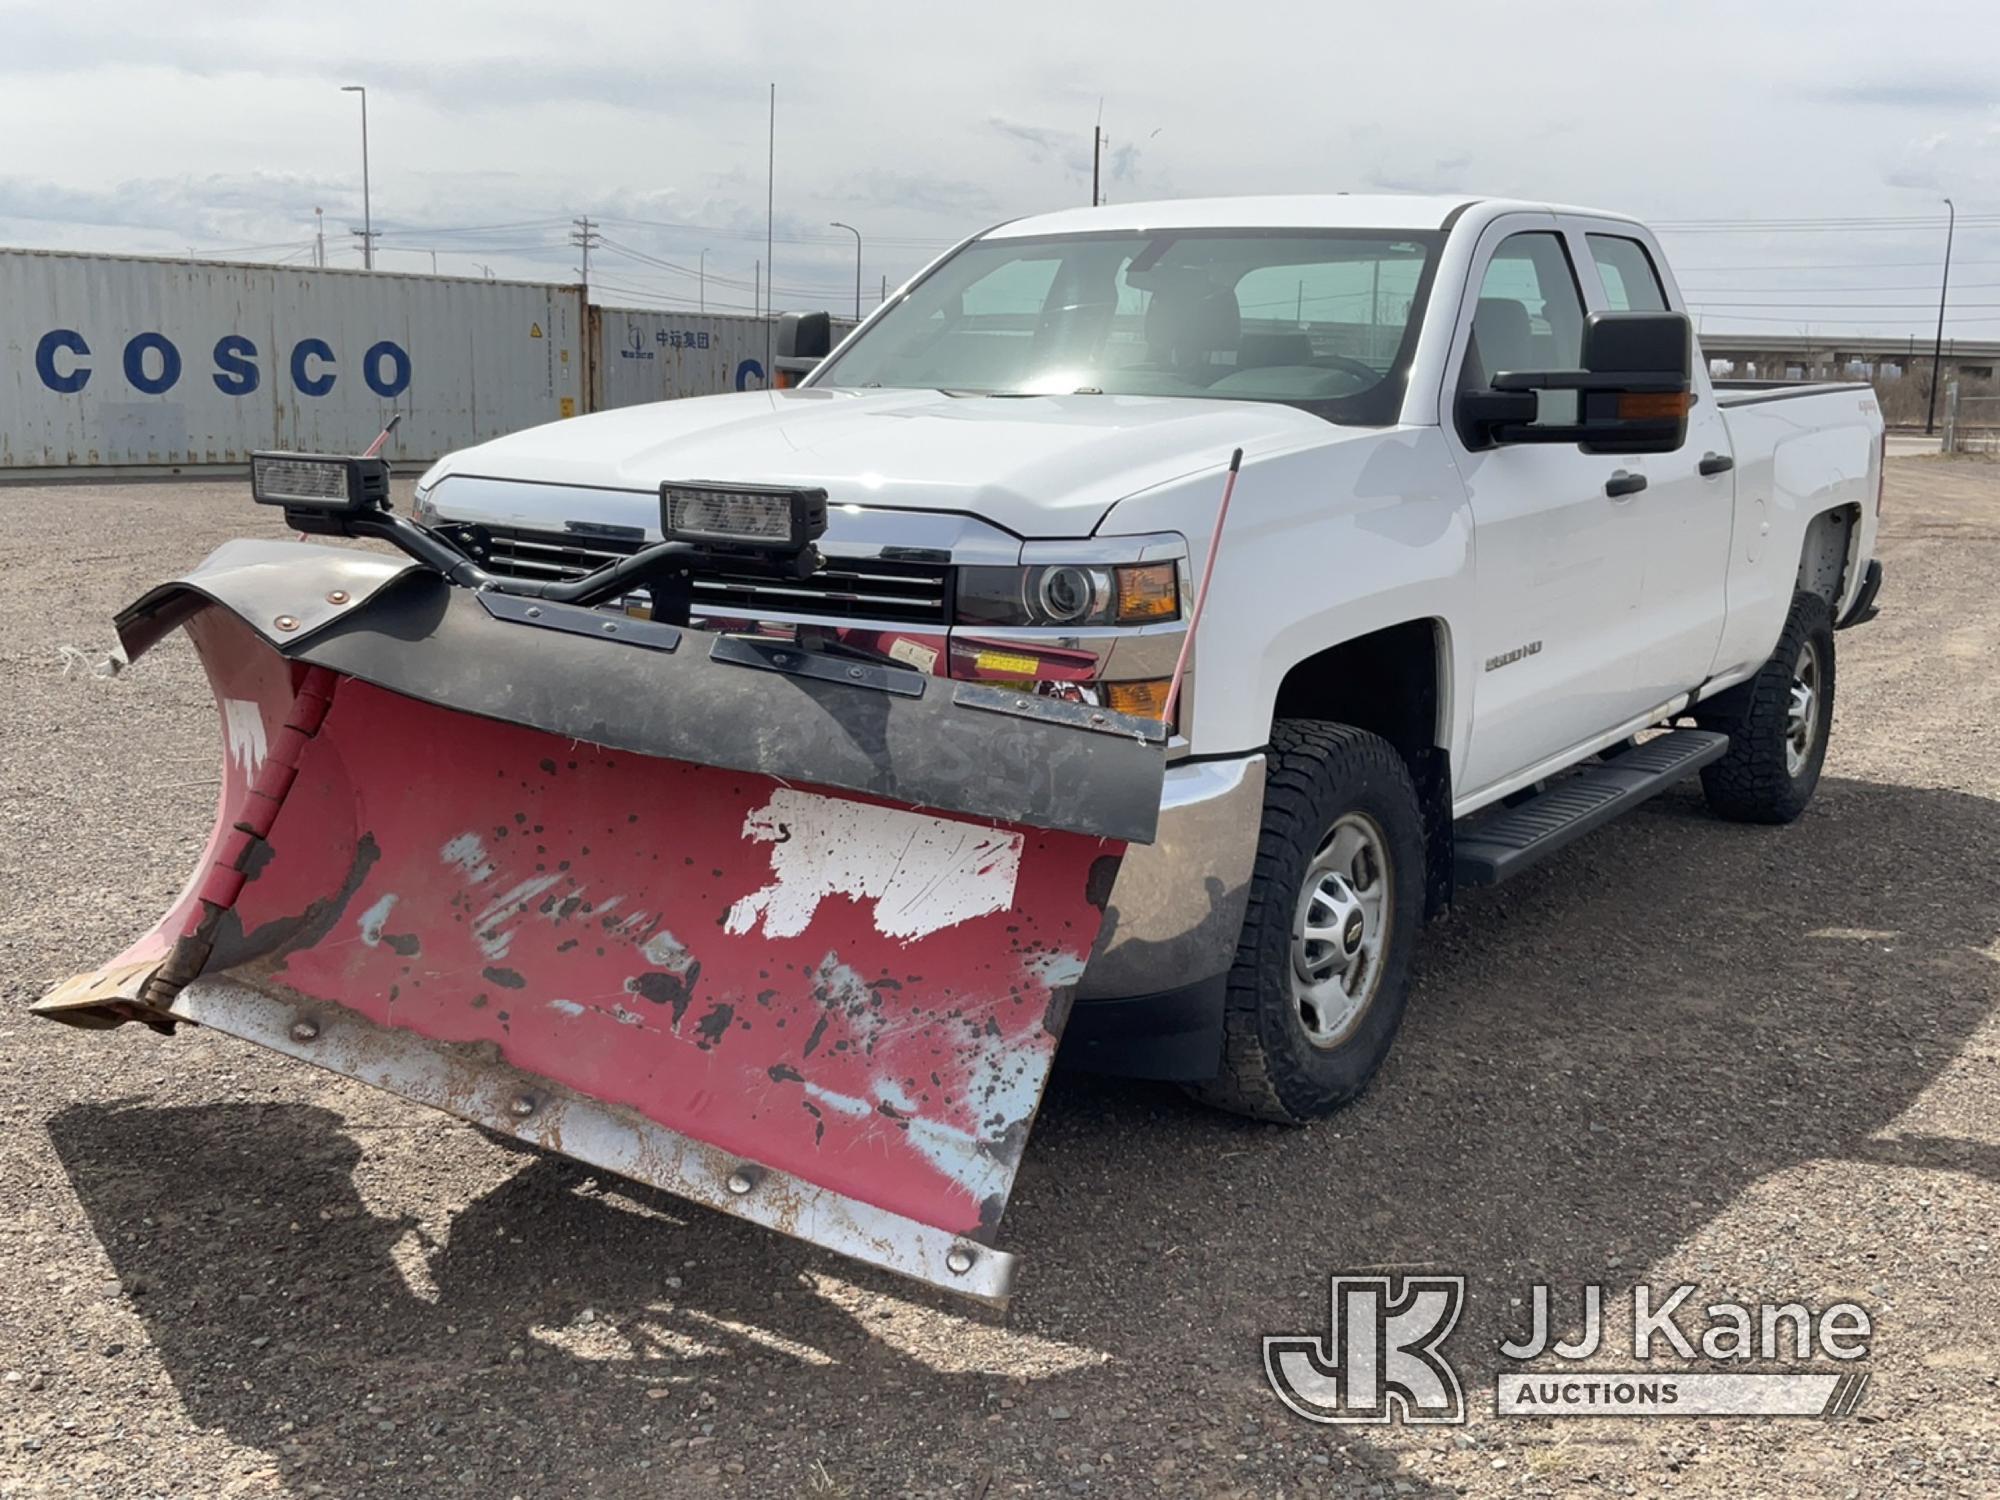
x,y
922,873
243,733
371,920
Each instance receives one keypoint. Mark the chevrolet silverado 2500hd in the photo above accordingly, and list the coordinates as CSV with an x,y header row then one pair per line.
x,y
1502,562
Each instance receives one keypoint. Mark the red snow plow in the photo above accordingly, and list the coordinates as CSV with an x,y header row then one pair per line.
x,y
785,932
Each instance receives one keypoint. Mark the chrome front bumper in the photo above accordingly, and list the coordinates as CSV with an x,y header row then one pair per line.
x,y
1177,905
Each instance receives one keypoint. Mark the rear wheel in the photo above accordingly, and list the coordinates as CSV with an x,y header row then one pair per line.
x,y
1336,897
1777,724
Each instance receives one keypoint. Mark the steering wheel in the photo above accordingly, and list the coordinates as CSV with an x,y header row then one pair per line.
x,y
1365,373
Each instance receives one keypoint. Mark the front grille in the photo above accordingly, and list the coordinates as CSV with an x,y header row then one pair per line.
x,y
892,592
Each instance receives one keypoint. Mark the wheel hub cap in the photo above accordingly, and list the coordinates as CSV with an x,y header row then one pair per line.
x,y
1802,710
1340,931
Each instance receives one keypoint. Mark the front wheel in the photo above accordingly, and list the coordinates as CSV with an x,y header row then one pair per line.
x,y
1777,723
1336,898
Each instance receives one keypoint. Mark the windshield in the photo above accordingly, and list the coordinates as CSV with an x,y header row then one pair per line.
x,y
1322,320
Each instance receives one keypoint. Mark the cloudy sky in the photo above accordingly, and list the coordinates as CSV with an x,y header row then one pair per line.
x,y
219,127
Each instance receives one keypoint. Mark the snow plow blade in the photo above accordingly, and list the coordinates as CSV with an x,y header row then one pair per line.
x,y
788,935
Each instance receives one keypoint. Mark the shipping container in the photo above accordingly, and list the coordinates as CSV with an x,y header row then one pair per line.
x,y
122,361
156,365
644,354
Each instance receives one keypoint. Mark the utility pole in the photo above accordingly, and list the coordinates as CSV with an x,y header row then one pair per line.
x,y
586,238
1096,153
1937,349
756,286
885,287
701,281
319,238
770,202
367,221
836,224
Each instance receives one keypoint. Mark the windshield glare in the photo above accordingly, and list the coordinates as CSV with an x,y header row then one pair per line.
x,y
1325,321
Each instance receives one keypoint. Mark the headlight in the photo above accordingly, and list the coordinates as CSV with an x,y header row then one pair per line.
x,y
1069,594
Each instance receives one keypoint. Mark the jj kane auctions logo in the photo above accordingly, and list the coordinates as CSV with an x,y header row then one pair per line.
x,y
1382,1359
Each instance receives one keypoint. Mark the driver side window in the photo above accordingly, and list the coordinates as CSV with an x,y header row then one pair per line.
x,y
1529,316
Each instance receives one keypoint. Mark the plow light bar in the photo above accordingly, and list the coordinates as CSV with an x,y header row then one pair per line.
x,y
319,481
752,518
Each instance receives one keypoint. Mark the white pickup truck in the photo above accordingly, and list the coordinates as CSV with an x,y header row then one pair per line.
x,y
1501,562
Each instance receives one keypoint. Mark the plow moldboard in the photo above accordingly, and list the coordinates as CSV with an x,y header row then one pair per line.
x,y
733,987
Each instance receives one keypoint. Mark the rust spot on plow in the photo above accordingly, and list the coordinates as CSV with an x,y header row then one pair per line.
x,y
282,935
711,1028
664,988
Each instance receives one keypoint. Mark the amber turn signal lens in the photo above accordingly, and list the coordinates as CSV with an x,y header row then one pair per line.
x,y
1653,406
1007,664
1151,592
1143,700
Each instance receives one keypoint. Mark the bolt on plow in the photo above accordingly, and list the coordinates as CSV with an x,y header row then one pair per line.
x,y
784,932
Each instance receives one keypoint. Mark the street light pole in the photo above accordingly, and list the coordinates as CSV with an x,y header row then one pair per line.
x,y
836,224
367,220
1937,349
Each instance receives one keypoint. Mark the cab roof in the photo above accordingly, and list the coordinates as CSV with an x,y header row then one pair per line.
x,y
1408,211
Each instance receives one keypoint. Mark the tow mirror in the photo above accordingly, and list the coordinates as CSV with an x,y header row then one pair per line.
x,y
803,340
1631,396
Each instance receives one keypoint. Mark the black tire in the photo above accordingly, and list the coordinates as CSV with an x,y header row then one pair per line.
x,y
1757,781
1319,777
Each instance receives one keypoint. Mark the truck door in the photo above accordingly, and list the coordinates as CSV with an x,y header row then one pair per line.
x,y
1688,506
1558,560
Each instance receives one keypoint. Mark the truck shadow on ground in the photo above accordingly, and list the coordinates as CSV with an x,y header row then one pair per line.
x,y
1599,1058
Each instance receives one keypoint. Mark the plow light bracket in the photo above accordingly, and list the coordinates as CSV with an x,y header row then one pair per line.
x,y
331,483
773,520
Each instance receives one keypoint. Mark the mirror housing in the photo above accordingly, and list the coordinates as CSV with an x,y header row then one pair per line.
x,y
1632,394
802,341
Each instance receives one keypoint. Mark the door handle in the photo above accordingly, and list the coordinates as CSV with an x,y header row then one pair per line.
x,y
1714,463
1623,483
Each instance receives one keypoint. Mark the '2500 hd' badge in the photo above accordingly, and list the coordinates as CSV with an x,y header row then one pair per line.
x,y
1508,658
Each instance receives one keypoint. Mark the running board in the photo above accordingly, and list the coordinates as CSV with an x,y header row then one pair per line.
x,y
1495,849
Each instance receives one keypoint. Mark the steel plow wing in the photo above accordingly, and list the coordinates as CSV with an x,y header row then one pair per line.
x,y
789,935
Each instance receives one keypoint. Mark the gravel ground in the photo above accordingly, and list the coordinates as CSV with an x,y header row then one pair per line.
x,y
1759,1060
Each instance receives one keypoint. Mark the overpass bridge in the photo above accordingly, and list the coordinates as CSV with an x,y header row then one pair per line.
x,y
1834,356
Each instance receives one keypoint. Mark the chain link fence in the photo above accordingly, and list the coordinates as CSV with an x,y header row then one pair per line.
x,y
1971,420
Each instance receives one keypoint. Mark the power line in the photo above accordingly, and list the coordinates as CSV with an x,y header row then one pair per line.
x,y
1820,228
618,247
1846,323
477,228
1838,306
1921,286
718,231
1836,265
1824,221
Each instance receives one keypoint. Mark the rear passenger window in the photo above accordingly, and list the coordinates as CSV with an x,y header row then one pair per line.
x,y
1630,282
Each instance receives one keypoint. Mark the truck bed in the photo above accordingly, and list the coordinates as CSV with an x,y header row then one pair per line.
x,y
1751,392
